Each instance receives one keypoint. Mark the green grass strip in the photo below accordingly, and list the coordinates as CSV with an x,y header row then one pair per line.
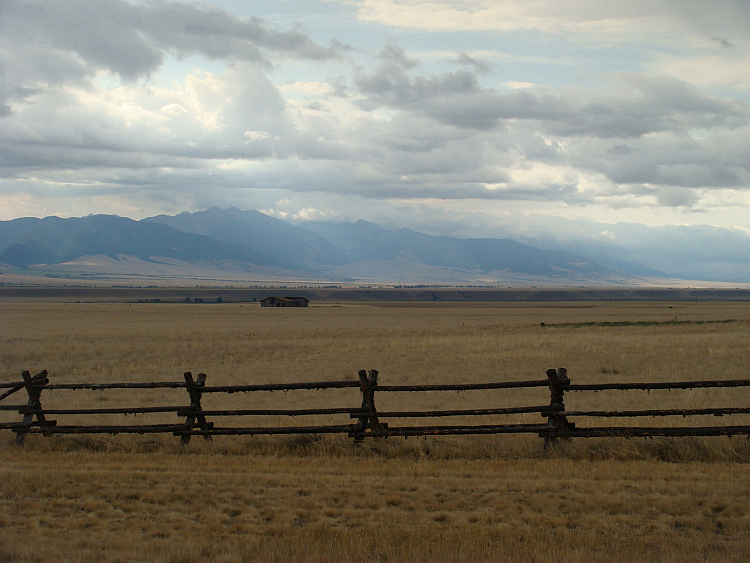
x,y
637,323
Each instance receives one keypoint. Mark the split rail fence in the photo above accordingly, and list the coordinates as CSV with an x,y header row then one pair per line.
x,y
365,421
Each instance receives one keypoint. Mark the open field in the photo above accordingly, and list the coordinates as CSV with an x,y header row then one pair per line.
x,y
130,498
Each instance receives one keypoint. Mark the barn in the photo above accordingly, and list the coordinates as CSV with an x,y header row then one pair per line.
x,y
284,302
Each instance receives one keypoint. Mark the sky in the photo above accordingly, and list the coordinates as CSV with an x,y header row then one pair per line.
x,y
548,120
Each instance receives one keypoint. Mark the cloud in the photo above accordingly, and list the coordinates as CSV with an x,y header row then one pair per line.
x,y
394,57
718,160
612,20
513,85
133,40
480,67
723,41
641,104
72,128
454,98
706,70
698,41
450,139
398,127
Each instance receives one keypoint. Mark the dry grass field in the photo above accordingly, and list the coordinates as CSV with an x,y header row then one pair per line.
x,y
440,499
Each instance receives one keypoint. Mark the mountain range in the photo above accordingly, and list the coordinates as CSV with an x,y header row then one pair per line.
x,y
252,243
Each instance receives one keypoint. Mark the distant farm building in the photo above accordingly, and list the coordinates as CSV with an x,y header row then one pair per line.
x,y
284,302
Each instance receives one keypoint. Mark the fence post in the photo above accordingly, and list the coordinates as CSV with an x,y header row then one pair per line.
x,y
194,390
557,378
34,403
39,379
367,383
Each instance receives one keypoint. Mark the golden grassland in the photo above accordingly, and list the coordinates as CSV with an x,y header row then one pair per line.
x,y
498,498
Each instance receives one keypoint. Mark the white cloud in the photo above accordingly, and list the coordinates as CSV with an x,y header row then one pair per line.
x,y
449,139
707,71
313,214
512,85
256,136
310,88
612,20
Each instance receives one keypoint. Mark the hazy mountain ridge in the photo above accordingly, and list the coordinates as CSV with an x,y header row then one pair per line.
x,y
53,240
367,241
237,240
295,246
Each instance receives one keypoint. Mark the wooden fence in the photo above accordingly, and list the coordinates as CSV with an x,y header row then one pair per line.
x,y
365,421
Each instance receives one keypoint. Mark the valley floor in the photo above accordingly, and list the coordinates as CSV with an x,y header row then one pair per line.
x,y
79,506
130,498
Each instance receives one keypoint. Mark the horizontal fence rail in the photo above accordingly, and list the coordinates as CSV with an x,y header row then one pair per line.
x,y
281,387
661,385
99,386
365,420
465,386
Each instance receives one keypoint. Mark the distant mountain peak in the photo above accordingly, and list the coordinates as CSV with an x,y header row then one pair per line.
x,y
361,250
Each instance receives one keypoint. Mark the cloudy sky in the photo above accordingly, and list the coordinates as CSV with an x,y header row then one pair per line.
x,y
462,117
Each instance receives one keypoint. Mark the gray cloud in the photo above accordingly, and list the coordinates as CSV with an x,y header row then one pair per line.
x,y
393,56
46,45
723,41
655,21
433,150
60,131
389,85
453,98
132,40
417,154
479,66
714,161
650,119
446,135
648,104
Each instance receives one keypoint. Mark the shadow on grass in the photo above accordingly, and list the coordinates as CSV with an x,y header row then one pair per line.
x,y
673,450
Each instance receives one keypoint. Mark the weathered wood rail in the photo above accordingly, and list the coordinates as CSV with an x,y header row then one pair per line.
x,y
365,421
